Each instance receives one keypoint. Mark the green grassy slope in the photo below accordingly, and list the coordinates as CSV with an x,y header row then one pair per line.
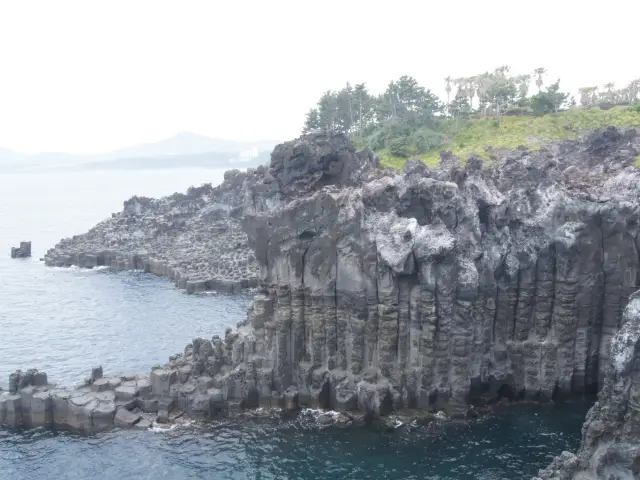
x,y
475,136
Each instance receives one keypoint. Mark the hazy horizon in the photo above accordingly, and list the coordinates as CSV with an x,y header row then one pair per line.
x,y
86,78
125,148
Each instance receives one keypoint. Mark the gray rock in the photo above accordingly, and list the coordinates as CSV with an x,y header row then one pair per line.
x,y
96,373
125,393
23,251
27,396
204,384
60,408
126,419
102,416
12,408
3,406
80,408
41,409
161,381
610,446
147,405
143,424
201,406
143,387
101,385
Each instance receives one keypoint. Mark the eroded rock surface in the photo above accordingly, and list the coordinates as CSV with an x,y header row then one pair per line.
x,y
99,404
195,239
610,446
426,288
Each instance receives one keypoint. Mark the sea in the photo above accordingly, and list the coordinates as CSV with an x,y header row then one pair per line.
x,y
64,321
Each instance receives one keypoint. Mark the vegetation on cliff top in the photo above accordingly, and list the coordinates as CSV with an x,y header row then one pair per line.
x,y
488,113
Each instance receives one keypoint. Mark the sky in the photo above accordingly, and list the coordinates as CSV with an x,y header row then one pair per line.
x,y
89,77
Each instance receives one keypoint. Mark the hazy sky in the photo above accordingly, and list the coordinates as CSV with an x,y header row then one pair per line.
x,y
87,77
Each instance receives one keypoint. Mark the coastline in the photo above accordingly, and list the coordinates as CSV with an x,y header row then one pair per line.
x,y
380,291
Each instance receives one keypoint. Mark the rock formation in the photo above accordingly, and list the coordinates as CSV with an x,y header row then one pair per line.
x,y
23,251
610,446
102,403
195,239
380,290
426,288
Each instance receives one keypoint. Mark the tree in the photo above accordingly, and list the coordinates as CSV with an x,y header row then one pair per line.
x,y
539,72
634,89
522,82
610,93
328,110
471,87
344,108
585,96
502,93
551,100
460,108
447,89
484,82
363,104
312,121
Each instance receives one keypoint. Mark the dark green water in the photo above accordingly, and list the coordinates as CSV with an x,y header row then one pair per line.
x,y
511,445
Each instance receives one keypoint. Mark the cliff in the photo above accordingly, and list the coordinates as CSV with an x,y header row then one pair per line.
x,y
610,446
381,290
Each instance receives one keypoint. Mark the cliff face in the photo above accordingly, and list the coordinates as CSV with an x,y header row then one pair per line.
x,y
610,446
381,290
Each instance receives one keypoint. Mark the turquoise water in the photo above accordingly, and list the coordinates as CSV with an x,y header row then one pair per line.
x,y
64,321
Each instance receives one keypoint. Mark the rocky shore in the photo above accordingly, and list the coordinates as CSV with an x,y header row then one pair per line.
x,y
194,239
381,290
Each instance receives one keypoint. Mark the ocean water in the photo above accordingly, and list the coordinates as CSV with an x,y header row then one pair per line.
x,y
64,321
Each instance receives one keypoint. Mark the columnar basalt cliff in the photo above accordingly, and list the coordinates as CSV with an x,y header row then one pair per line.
x,y
611,434
380,290
195,239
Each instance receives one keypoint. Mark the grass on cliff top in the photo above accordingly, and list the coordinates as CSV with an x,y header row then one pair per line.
x,y
476,135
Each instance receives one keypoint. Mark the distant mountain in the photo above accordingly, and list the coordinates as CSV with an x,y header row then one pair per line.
x,y
197,160
187,143
185,149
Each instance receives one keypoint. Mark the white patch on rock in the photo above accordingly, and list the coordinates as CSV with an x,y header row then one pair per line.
x,y
624,343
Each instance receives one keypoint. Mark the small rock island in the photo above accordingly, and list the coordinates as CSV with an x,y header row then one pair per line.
x,y
380,290
23,251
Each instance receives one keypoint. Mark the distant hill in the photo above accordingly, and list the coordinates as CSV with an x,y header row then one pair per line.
x,y
185,149
198,160
187,143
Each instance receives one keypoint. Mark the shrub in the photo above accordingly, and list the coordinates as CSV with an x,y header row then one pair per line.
x,y
399,147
